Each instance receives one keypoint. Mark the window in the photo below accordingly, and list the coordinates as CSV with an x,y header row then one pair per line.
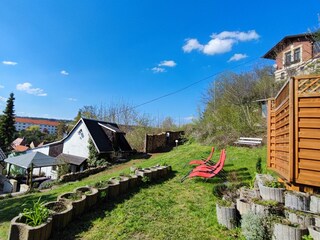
x,y
316,48
287,58
296,55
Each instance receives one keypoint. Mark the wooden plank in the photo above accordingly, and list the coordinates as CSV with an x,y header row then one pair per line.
x,y
309,143
309,154
308,164
309,133
309,122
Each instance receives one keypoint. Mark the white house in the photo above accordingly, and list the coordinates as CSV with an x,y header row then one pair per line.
x,y
106,137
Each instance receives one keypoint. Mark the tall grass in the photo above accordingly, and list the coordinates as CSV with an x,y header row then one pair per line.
x,y
167,210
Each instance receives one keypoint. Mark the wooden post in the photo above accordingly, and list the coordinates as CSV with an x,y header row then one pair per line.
x,y
291,130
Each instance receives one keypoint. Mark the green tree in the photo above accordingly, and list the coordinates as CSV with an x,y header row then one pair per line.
x,y
7,128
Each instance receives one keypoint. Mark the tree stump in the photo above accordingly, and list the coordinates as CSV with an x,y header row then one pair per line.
x,y
297,201
227,216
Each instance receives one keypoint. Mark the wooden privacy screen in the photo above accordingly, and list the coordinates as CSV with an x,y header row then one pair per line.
x,y
294,131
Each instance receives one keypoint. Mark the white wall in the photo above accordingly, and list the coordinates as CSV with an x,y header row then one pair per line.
x,y
44,150
77,142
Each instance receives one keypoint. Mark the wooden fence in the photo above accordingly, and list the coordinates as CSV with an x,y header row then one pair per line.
x,y
294,132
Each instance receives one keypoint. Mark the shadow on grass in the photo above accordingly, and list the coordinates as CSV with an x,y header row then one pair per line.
x,y
11,207
236,175
85,221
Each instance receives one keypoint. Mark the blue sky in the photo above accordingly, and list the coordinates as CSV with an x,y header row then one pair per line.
x,y
57,56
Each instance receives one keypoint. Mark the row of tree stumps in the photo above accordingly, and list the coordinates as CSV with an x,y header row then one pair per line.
x,y
290,215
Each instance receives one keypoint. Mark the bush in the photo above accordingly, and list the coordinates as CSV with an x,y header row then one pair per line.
x,y
256,227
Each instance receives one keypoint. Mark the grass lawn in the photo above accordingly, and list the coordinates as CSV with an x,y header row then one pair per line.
x,y
166,210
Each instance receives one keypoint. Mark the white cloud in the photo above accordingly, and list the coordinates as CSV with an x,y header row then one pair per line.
x,y
217,46
1,86
237,57
240,36
158,70
220,43
64,72
9,63
167,63
72,99
192,44
27,87
3,99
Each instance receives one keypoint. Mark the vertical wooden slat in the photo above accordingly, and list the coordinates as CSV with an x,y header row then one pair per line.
x,y
296,129
269,134
291,130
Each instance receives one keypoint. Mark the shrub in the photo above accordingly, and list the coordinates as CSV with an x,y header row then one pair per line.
x,y
256,227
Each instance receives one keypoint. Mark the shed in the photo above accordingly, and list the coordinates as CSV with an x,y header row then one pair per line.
x,y
77,164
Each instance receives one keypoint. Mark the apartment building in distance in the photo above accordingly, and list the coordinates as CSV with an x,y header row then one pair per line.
x,y
46,125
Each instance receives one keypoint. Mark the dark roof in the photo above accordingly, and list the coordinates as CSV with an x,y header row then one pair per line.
x,y
272,53
72,159
98,131
100,139
110,127
2,155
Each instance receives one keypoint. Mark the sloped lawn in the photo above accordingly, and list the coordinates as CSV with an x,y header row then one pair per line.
x,y
166,210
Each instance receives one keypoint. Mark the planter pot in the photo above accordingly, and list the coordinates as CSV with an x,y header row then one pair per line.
x,y
103,193
317,221
227,216
92,197
133,182
22,231
314,232
297,201
315,204
268,193
60,219
124,184
243,206
144,173
286,232
261,209
114,189
152,174
156,173
246,193
302,218
78,205
260,179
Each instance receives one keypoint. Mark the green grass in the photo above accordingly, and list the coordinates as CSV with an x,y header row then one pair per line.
x,y
166,210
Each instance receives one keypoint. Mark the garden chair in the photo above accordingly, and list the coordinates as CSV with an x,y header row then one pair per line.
x,y
208,168
205,161
207,171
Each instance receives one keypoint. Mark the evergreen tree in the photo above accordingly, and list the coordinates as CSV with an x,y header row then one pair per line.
x,y
7,128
